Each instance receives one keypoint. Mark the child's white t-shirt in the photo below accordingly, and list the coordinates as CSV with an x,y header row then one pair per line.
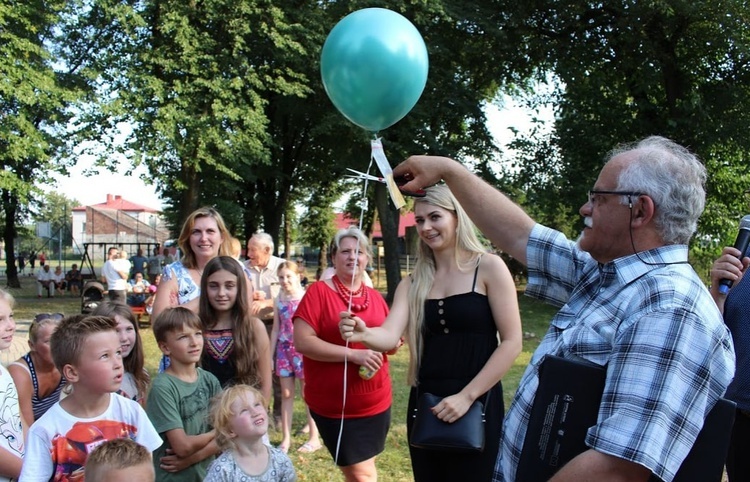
x,y
11,429
59,443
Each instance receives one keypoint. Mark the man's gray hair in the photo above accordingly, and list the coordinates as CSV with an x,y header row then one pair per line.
x,y
674,178
264,239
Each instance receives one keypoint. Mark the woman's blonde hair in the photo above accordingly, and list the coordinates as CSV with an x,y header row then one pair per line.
x,y
221,412
8,298
235,247
188,259
41,321
467,243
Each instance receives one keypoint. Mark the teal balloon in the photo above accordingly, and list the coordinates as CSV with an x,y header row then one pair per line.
x,y
374,67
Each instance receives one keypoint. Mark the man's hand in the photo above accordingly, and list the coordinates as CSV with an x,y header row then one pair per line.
x,y
261,308
420,172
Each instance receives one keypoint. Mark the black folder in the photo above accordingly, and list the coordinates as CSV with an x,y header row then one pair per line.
x,y
566,405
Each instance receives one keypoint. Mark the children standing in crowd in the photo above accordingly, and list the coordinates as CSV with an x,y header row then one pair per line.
x,y
87,353
179,399
237,347
240,419
13,433
135,380
120,460
288,361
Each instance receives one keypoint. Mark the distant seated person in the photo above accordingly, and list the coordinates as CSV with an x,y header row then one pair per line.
x,y
303,280
45,281
59,278
74,278
149,303
137,290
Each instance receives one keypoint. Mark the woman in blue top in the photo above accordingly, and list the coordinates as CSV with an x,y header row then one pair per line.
x,y
203,237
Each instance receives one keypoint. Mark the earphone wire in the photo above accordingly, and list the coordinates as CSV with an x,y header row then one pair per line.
x,y
632,241
363,208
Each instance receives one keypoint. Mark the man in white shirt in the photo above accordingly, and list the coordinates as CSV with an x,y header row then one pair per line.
x,y
45,280
115,277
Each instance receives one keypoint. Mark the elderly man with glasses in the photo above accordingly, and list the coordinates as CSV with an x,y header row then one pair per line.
x,y
629,302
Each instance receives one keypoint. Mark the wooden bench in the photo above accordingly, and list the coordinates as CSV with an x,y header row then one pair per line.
x,y
141,316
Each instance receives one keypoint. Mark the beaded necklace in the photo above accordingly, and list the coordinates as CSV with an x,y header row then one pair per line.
x,y
346,294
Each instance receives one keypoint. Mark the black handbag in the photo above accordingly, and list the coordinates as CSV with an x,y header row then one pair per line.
x,y
464,435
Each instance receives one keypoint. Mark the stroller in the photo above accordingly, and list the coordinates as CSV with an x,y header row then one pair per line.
x,y
91,296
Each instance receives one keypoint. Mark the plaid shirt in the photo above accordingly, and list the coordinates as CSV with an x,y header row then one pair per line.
x,y
669,356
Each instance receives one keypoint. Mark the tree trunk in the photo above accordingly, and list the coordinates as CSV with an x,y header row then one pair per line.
x,y
10,206
288,234
189,197
322,261
389,219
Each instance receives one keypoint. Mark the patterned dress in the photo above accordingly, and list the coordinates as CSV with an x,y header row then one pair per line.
x,y
288,361
218,346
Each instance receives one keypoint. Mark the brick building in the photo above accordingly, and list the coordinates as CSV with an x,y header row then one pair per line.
x,y
115,222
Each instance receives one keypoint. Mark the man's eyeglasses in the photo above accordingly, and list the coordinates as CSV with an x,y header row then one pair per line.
x,y
48,316
596,192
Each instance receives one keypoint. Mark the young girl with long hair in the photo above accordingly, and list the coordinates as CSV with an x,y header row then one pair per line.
x,y
135,379
236,347
288,361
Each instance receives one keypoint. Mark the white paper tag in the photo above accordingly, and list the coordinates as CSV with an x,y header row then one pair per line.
x,y
385,170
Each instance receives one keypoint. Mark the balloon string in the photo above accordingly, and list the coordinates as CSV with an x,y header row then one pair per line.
x,y
363,208
343,406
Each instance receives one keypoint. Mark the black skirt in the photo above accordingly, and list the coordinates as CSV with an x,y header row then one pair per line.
x,y
362,438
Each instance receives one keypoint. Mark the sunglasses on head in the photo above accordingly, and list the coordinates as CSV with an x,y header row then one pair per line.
x,y
48,316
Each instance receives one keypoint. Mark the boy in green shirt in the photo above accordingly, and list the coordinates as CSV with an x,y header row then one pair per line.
x,y
179,400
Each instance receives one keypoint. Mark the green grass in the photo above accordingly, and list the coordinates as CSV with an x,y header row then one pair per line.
x,y
393,464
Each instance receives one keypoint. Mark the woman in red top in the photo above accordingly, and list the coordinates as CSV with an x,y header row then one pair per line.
x,y
366,410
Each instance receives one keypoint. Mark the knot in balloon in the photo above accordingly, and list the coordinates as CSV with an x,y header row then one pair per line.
x,y
374,67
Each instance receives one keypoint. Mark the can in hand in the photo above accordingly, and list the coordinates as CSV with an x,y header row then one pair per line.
x,y
365,373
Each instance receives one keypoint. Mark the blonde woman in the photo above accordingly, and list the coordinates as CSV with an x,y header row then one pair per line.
x,y
453,309
38,381
204,236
